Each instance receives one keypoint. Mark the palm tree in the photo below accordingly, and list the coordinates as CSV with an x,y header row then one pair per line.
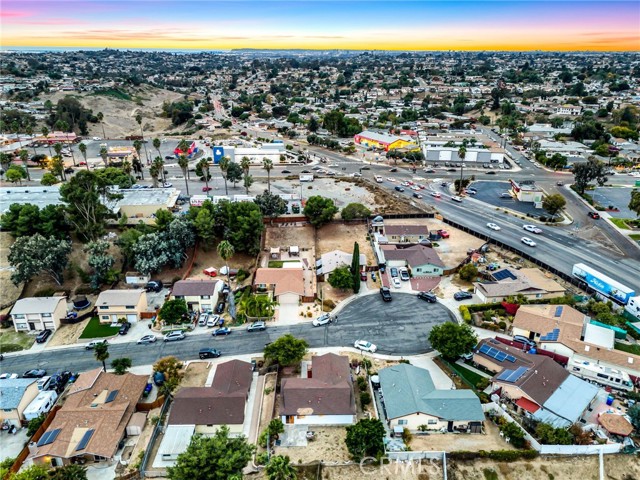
x,y
83,150
462,152
100,118
156,145
29,131
45,134
245,163
267,164
104,154
139,120
226,251
280,468
137,146
183,162
224,166
184,148
154,171
101,353
126,167
57,167
58,149
24,156
203,165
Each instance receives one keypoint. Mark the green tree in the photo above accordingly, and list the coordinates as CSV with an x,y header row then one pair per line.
x,y
101,263
553,203
217,457
634,203
286,350
164,218
104,154
183,162
365,439
154,250
83,150
271,205
341,278
584,173
452,339
313,125
126,242
173,371
243,225
34,472
15,173
121,365
234,173
320,210
101,353
202,171
515,434
24,156
156,144
280,468
49,179
204,224
354,210
469,272
247,181
355,267
224,168
69,472
267,164
35,423
30,256
226,251
634,414
174,311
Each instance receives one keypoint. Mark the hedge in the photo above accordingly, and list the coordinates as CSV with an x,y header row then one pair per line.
x,y
464,311
498,455
481,307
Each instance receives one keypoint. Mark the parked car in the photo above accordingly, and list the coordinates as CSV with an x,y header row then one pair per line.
x,y
154,286
396,282
257,327
221,331
385,293
505,195
404,275
213,321
525,340
34,373
93,344
158,378
209,353
462,295
443,233
594,215
207,189
491,172
210,272
286,171
43,335
323,319
167,185
220,308
493,226
43,383
527,241
58,381
363,275
124,328
532,229
394,272
365,346
147,339
174,336
373,276
428,297
203,319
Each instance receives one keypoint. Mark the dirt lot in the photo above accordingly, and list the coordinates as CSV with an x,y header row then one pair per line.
x,y
328,446
449,442
9,293
195,375
340,236
303,237
67,334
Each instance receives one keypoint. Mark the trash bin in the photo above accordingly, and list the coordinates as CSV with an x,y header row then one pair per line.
x,y
610,399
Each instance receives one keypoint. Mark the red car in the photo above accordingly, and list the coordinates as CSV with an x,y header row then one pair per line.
x,y
594,215
207,189
210,272
443,233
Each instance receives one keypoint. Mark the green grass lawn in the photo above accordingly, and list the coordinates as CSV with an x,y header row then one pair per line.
x,y
635,349
472,377
95,329
620,223
635,236
12,341
280,263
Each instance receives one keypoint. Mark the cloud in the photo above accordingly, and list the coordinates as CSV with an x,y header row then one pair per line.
x,y
13,13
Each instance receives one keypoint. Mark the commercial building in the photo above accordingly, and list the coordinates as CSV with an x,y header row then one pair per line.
x,y
272,151
41,197
35,314
474,157
527,191
383,141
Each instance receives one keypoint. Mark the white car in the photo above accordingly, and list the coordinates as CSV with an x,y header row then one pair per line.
x,y
405,184
323,319
147,339
493,226
96,139
365,346
396,282
392,180
356,175
173,336
202,320
213,321
436,194
527,241
456,198
532,229
167,185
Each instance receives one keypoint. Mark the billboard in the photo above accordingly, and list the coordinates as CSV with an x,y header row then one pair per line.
x,y
603,284
218,153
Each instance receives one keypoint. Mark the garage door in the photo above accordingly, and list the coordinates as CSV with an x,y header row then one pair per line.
x,y
132,317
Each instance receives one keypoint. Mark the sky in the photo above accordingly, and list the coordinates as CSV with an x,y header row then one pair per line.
x,y
352,25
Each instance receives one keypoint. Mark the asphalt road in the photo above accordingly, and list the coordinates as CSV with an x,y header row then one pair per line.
x,y
397,328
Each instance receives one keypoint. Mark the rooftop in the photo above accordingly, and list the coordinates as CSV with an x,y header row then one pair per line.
x,y
36,305
286,280
197,288
119,297
12,391
414,255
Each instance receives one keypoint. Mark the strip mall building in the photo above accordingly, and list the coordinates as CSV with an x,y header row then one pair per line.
x,y
382,141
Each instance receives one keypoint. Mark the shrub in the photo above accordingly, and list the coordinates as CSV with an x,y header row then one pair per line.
x,y
498,455
502,325
262,458
464,311
362,383
45,292
406,436
241,275
35,424
365,399
482,384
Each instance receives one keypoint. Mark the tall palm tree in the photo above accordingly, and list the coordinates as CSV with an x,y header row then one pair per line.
x,y
462,152
245,164
203,165
105,155
154,171
137,146
267,164
224,166
45,134
126,167
83,150
29,131
58,149
24,156
280,468
184,148
183,162
139,120
56,166
156,145
226,251
101,353
100,117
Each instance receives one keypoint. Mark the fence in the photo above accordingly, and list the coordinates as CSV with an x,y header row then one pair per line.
x,y
154,437
146,407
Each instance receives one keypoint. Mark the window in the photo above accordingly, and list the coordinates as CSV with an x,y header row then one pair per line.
x,y
205,297
18,316
7,410
432,422
179,297
402,422
130,307
46,315
22,326
104,307
602,375
106,317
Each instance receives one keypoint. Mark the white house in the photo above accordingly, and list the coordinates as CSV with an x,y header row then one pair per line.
x,y
35,314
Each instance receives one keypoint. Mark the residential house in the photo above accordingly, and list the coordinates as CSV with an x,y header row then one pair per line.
x,y
200,295
333,260
204,410
406,233
92,420
322,395
572,110
566,331
35,314
420,259
412,401
528,282
15,396
113,305
286,284
536,385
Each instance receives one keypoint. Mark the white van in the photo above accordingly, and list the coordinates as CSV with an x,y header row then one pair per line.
x,y
379,179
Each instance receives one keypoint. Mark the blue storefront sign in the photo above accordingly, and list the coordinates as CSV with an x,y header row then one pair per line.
x,y
218,153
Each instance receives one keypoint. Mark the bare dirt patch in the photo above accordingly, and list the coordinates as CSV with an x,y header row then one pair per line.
x,y
67,334
340,236
448,442
195,375
209,257
328,446
303,237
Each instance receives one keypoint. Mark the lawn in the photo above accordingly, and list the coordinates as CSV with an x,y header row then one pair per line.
x,y
280,263
95,329
620,223
12,341
635,349
472,377
635,236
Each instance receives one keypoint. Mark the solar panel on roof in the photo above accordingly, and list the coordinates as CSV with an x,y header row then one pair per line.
x,y
511,358
112,396
485,349
515,376
504,374
503,274
84,440
558,311
48,437
551,336
500,356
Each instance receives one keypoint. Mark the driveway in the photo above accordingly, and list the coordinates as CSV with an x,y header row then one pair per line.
x,y
489,192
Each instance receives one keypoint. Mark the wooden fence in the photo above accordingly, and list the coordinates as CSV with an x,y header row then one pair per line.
x,y
146,407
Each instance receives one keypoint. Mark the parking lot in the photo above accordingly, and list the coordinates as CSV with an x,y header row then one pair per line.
x,y
618,197
489,192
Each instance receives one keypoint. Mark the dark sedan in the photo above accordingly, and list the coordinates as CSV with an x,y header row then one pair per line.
x,y
35,373
459,296
43,335
221,331
428,297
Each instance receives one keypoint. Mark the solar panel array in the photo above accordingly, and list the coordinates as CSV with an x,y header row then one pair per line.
x,y
499,355
502,274
48,437
112,396
558,311
511,376
552,336
85,440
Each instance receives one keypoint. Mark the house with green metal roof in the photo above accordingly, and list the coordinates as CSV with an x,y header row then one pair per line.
x,y
411,400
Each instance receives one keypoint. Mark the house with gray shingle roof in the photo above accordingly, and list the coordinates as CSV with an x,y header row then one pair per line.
x,y
412,400
15,395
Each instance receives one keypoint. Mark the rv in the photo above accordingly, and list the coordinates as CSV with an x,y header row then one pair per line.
x,y
606,376
40,405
